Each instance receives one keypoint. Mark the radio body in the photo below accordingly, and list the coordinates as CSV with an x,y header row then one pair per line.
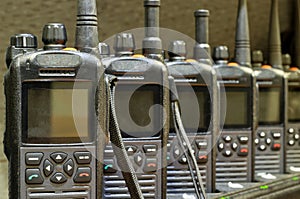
x,y
234,161
142,108
52,139
292,149
197,90
269,139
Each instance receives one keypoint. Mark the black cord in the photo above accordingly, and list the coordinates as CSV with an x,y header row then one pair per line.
x,y
118,145
191,159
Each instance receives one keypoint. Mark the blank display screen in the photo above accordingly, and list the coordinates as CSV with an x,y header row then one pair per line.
x,y
195,108
138,110
53,116
237,108
294,104
269,106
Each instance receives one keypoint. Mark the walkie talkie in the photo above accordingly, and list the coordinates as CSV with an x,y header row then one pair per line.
x,y
142,109
269,140
272,83
292,134
197,90
53,141
234,148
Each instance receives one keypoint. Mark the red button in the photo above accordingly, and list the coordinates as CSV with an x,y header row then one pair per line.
x,y
244,150
276,146
202,157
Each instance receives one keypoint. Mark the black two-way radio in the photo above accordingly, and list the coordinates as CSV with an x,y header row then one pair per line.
x,y
197,90
53,141
234,155
292,133
142,110
272,83
292,136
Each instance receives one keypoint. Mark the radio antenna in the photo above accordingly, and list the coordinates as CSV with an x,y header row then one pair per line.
x,y
202,48
152,45
86,37
242,37
297,32
275,56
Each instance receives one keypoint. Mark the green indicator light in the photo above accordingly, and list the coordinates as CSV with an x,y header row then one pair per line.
x,y
295,178
227,197
264,187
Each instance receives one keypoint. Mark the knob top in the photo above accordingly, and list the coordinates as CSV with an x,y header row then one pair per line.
x,y
24,41
124,43
201,13
257,56
177,49
221,53
104,49
286,59
54,35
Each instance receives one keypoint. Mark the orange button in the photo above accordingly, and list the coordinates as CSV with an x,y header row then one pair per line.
x,y
266,66
233,64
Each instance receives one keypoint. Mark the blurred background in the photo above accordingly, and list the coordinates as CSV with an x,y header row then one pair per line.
x,y
28,16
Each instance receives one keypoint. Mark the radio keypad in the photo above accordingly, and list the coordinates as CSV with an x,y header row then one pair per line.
x,y
265,139
56,167
238,144
293,137
144,156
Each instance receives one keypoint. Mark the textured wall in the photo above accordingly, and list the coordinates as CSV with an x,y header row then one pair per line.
x,y
19,16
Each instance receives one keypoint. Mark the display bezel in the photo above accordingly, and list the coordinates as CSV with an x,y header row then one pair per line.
x,y
207,107
158,96
281,104
248,108
294,88
84,84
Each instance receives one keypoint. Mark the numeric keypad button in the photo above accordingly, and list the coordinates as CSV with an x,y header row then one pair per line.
x,y
227,153
243,152
221,146
58,178
256,141
83,175
234,146
201,144
151,165
48,168
227,138
131,150
291,142
243,139
202,157
150,149
268,141
262,147
138,159
69,167
83,157
33,176
58,157
291,130
33,159
262,134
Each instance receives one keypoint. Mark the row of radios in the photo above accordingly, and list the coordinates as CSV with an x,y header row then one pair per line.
x,y
58,112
